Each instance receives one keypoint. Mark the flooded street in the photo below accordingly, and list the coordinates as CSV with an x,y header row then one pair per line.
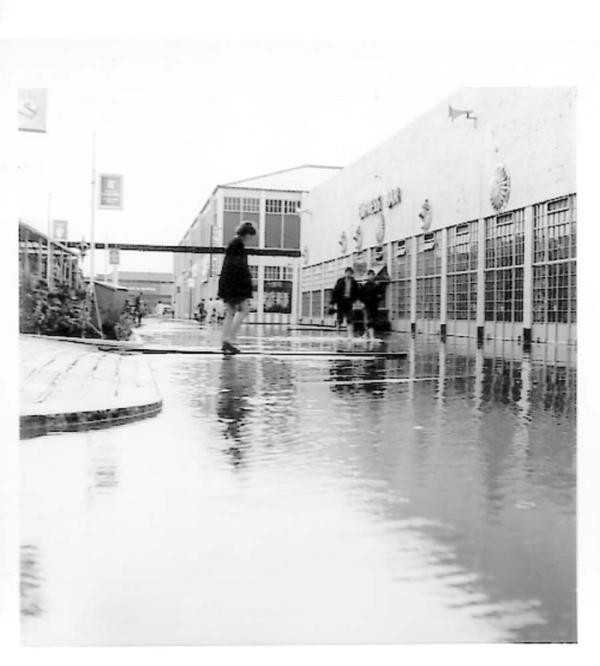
x,y
304,500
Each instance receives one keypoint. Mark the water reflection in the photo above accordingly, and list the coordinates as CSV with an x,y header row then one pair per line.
x,y
30,581
103,470
443,482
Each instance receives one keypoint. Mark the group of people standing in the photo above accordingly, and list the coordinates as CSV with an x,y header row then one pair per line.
x,y
345,294
212,312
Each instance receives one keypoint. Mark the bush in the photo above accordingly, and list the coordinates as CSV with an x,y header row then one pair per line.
x,y
123,328
58,311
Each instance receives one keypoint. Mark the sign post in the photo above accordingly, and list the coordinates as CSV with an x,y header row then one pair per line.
x,y
114,261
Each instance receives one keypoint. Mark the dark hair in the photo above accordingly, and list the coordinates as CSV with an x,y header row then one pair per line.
x,y
246,229
370,272
349,268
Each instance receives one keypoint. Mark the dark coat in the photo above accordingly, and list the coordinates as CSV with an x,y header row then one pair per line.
x,y
236,280
370,294
340,287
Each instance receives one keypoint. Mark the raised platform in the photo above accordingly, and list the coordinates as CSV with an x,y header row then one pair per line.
x,y
65,387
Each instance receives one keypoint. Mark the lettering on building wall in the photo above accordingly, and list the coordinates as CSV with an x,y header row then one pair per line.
x,y
392,198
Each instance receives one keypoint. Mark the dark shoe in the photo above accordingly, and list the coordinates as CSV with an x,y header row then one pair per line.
x,y
228,348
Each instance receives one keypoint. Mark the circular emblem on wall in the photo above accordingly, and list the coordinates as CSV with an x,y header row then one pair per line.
x,y
426,215
343,242
358,239
380,230
305,255
500,187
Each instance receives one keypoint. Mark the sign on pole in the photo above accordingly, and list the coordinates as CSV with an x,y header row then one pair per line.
x,y
32,110
113,257
111,191
59,230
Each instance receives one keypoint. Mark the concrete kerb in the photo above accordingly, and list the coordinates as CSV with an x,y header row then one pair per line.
x,y
35,425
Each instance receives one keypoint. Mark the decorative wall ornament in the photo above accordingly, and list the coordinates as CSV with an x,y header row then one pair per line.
x,y
500,187
358,239
305,255
380,230
343,243
426,215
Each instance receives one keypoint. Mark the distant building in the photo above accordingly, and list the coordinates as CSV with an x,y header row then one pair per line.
x,y
471,210
154,287
272,202
33,259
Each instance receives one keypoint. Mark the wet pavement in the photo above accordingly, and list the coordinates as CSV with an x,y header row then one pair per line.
x,y
295,500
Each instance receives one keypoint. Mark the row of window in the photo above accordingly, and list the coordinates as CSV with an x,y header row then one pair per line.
x,y
252,205
279,273
554,230
555,293
242,204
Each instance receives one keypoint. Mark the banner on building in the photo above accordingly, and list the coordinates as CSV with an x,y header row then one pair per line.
x,y
59,230
32,110
111,191
114,257
278,296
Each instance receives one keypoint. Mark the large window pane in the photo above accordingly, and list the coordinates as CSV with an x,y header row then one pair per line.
x,y
272,230
291,231
231,222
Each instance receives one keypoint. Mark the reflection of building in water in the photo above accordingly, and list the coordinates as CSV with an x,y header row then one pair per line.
x,y
103,475
350,376
475,220
277,386
30,582
485,452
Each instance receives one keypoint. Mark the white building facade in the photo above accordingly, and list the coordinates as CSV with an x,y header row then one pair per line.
x,y
472,211
272,203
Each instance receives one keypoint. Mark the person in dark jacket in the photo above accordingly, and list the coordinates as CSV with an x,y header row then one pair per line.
x,y
343,296
235,286
370,295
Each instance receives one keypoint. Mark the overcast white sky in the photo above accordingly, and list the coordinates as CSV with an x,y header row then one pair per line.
x,y
178,117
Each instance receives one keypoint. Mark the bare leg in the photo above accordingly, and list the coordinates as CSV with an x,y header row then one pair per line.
x,y
238,320
350,329
228,323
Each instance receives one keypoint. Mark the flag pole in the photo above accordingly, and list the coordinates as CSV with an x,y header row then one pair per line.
x,y
93,212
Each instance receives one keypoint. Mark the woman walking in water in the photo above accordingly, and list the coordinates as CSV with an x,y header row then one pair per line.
x,y
235,286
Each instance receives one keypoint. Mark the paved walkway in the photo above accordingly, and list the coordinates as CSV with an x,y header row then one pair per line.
x,y
67,386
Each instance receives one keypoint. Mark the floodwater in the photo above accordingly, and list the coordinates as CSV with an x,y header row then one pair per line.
x,y
313,500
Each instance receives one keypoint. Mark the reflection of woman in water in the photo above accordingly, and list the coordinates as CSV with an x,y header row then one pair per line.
x,y
233,408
